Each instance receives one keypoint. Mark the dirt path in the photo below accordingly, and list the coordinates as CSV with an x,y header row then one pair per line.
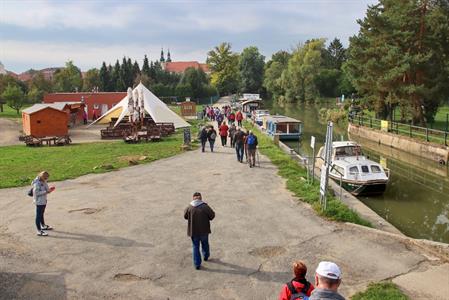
x,y
9,132
122,235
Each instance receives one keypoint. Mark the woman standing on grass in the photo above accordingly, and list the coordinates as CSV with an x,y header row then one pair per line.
x,y
40,191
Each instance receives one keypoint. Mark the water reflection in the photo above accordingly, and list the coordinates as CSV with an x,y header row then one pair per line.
x,y
417,198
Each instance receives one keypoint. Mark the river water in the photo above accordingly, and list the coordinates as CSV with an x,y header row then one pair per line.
x,y
417,197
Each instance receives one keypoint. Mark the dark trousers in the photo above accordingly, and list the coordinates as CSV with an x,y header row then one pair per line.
x,y
40,209
239,151
239,123
223,140
211,144
203,144
196,240
232,141
252,156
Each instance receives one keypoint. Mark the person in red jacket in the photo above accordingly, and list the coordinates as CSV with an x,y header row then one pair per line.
x,y
231,118
224,133
297,285
239,118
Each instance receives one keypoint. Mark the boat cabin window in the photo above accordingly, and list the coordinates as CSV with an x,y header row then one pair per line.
x,y
365,169
353,170
281,128
348,151
293,128
375,169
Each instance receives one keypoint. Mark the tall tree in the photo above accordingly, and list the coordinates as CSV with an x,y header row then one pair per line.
x,y
38,86
146,67
126,76
400,57
251,67
223,64
195,80
68,79
105,78
136,70
273,71
116,80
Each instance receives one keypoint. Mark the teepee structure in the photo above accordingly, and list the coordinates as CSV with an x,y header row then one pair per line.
x,y
146,100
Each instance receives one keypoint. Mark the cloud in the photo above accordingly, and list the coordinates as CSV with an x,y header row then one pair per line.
x,y
67,14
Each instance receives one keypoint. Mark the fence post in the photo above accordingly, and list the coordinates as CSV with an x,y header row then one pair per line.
x,y
445,138
370,122
427,134
410,130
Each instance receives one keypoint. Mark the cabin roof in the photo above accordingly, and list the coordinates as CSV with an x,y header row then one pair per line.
x,y
252,101
282,119
344,144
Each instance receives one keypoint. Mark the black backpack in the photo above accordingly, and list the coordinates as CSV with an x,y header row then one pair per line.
x,y
302,295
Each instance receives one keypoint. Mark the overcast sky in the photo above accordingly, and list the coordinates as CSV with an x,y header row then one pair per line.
x,y
38,34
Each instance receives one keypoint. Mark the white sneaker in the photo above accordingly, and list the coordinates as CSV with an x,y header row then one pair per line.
x,y
42,233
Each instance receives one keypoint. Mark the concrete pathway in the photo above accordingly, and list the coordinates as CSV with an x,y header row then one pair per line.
x,y
122,235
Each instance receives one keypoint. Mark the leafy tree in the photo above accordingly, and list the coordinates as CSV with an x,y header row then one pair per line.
x,y
92,80
273,71
14,97
68,79
223,64
299,79
183,90
6,80
327,82
195,79
251,67
400,57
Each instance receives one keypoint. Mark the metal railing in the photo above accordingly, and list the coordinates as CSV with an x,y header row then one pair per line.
x,y
423,133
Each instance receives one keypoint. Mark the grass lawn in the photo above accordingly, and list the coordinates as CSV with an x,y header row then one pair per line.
x,y
381,290
20,164
8,112
296,182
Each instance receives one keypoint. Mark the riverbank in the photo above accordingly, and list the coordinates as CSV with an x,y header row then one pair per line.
x,y
111,238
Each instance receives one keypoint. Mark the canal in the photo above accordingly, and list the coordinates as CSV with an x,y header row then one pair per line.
x,y
417,197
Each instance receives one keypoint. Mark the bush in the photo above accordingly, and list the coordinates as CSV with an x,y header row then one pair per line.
x,y
381,290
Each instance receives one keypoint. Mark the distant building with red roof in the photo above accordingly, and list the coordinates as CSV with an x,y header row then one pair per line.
x,y
96,103
181,66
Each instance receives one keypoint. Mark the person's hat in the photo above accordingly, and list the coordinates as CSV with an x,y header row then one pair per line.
x,y
196,194
329,270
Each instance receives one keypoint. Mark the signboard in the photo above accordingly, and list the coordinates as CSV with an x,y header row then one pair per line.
x,y
187,137
312,142
384,125
251,96
323,180
188,109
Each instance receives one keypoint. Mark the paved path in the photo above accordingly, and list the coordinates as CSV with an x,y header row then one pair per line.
x,y
122,235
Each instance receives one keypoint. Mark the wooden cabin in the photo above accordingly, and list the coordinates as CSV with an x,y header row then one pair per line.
x,y
43,120
285,127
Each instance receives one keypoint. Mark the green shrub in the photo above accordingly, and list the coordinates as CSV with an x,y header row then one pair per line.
x,y
381,290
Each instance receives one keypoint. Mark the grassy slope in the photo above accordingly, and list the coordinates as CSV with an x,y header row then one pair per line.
x,y
8,112
296,182
20,164
382,290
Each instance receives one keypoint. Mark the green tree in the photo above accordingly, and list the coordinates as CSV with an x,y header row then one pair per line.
x,y
92,80
68,79
195,79
334,55
136,70
38,86
116,80
273,71
105,79
14,97
400,57
223,64
251,67
126,73
299,79
146,67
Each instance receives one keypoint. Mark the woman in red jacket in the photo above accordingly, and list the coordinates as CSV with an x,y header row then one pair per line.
x,y
223,133
297,285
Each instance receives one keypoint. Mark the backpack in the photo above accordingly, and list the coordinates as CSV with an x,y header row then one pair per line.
x,y
213,136
295,295
251,140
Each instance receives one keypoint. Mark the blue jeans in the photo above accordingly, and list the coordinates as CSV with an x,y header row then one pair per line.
x,y
239,151
196,240
40,209
211,143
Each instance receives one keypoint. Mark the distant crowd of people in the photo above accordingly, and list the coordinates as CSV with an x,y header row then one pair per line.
x,y
244,141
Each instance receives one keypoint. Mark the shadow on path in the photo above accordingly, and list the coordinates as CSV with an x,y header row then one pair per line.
x,y
107,240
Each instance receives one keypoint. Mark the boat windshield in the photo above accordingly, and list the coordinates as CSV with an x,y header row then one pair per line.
x,y
348,151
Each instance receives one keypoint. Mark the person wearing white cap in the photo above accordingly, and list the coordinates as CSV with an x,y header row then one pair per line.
x,y
327,281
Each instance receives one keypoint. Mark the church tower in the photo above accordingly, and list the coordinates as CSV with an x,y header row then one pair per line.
x,y
162,59
168,56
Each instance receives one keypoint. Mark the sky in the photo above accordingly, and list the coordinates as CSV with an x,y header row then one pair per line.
x,y
38,34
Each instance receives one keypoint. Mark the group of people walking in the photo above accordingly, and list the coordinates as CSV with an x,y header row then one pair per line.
x,y
244,142
327,275
220,114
